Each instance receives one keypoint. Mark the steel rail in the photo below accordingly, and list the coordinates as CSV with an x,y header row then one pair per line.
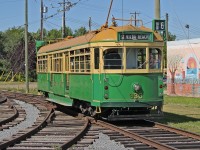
x,y
78,136
175,130
3,100
24,96
135,136
28,134
11,118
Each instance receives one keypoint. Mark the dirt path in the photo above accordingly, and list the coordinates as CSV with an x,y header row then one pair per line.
x,y
17,85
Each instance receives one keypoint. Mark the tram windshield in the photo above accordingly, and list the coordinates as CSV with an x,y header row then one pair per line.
x,y
136,58
154,58
113,58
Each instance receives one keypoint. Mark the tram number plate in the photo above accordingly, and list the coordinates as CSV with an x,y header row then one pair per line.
x,y
136,96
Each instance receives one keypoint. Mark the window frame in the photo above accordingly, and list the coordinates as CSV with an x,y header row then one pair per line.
x,y
42,63
80,60
114,67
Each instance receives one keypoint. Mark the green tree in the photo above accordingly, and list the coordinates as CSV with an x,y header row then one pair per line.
x,y
53,34
68,31
12,39
2,53
80,31
13,51
57,34
171,37
37,35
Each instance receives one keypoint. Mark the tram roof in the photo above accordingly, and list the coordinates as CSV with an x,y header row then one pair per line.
x,y
104,34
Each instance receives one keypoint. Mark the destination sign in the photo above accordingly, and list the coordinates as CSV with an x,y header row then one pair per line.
x,y
134,36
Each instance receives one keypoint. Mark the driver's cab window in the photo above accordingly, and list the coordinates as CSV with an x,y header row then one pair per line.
x,y
135,58
113,58
155,58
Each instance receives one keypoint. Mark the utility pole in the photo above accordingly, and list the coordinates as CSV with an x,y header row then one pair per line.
x,y
90,23
135,16
26,46
166,36
41,22
167,19
157,9
63,20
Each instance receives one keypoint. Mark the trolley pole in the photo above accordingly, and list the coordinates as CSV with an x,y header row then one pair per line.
x,y
157,9
26,45
106,25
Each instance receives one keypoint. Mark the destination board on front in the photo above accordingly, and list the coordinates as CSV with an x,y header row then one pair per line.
x,y
135,36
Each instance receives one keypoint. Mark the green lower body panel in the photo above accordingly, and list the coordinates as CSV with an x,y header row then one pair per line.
x,y
118,90
81,87
103,90
131,104
66,101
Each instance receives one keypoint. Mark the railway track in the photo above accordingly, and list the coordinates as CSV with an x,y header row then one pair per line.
x,y
60,133
52,130
57,130
154,136
11,114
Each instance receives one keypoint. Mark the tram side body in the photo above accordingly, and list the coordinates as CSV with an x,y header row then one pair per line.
x,y
112,94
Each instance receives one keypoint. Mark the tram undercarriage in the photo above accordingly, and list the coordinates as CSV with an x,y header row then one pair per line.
x,y
119,113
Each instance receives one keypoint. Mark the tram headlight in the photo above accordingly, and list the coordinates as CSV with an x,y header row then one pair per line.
x,y
136,87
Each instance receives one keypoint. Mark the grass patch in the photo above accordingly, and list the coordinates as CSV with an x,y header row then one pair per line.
x,y
19,86
182,113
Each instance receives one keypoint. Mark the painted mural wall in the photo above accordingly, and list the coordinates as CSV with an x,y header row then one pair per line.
x,y
183,67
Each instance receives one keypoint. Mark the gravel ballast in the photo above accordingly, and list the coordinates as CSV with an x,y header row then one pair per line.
x,y
32,113
104,143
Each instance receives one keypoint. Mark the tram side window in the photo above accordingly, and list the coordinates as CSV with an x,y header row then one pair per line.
x,y
51,62
113,58
80,60
39,68
57,61
42,64
72,64
131,58
154,58
96,58
135,58
87,63
141,58
66,62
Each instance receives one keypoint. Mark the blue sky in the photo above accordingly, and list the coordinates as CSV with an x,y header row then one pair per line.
x,y
181,12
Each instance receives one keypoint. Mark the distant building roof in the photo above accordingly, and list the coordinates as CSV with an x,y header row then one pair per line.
x,y
184,42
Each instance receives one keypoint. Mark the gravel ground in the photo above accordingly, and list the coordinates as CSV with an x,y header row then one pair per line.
x,y
104,143
32,113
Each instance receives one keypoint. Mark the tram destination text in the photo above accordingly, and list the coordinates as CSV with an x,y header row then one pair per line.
x,y
134,36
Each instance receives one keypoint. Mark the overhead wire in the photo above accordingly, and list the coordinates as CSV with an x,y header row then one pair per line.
x,y
188,41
